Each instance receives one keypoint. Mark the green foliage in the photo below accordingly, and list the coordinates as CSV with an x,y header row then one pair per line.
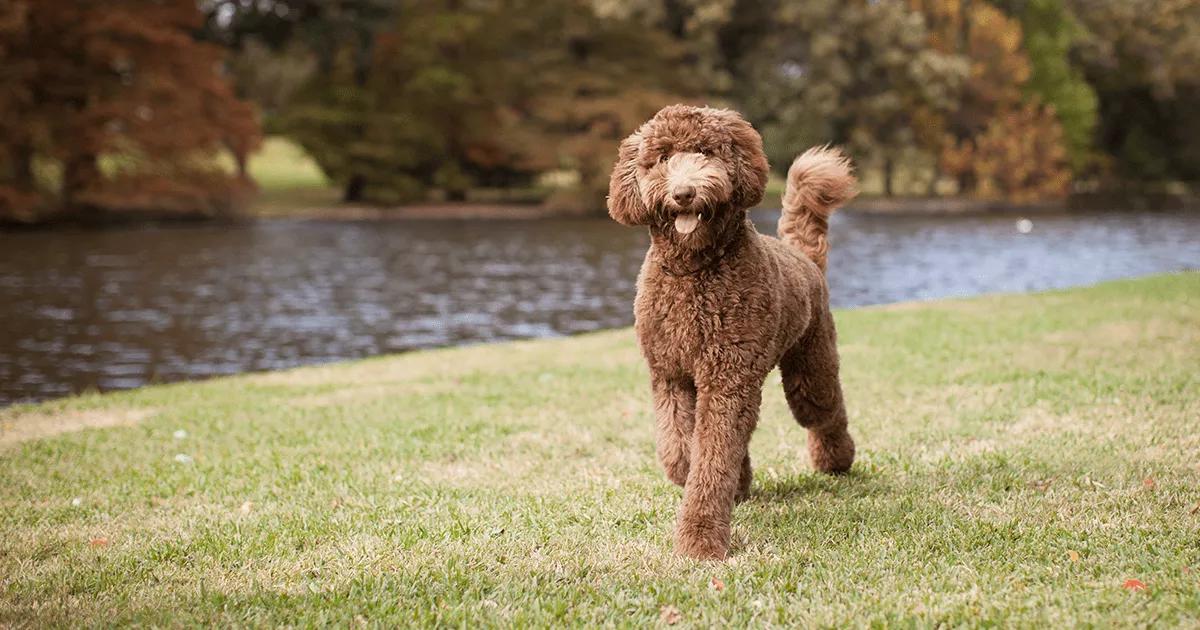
x,y
1050,33
270,78
861,74
410,100
1143,59
491,93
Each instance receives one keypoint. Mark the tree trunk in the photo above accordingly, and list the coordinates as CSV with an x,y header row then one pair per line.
x,y
22,173
889,173
80,173
354,189
242,166
966,183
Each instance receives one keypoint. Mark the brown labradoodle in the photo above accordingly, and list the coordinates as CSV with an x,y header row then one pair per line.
x,y
719,305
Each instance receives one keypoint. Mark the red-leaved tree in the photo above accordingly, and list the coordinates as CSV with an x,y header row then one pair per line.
x,y
115,106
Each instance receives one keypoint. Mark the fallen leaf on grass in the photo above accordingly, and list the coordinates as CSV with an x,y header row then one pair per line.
x,y
1134,585
98,541
716,584
246,507
669,615
1148,483
1041,485
1073,555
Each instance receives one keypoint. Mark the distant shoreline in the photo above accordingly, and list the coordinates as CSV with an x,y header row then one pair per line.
x,y
472,211
898,206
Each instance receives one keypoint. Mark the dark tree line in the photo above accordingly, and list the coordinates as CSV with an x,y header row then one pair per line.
x,y
1002,98
125,104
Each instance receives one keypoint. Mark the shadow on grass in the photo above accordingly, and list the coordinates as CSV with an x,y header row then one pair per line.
x,y
859,482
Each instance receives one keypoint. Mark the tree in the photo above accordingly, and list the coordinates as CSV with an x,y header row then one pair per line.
x,y
1142,57
1050,33
994,101
859,73
457,95
18,72
123,104
1020,156
596,80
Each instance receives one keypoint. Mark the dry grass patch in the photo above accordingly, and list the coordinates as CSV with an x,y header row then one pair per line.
x,y
24,426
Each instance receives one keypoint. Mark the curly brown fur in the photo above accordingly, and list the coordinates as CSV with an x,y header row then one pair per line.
x,y
719,305
818,182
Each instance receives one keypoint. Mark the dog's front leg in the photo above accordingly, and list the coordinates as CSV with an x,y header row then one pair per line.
x,y
725,418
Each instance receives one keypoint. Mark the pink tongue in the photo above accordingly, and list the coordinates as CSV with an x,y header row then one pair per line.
x,y
686,223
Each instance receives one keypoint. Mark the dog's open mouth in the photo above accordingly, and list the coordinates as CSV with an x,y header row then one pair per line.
x,y
687,223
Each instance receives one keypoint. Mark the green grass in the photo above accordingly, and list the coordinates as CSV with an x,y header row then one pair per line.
x,y
515,484
281,164
288,180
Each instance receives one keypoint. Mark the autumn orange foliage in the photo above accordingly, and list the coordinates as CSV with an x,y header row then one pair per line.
x,y
1000,143
1020,156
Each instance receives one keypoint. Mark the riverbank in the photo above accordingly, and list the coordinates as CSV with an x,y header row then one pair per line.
x,y
1023,460
899,206
321,203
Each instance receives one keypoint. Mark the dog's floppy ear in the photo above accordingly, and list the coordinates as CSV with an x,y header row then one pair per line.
x,y
749,163
624,197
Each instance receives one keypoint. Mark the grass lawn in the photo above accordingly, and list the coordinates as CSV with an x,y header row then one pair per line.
x,y
288,179
1020,459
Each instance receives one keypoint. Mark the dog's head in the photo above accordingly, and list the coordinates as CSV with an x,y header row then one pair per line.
x,y
692,169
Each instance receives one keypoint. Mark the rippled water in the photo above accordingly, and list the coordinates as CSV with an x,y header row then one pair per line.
x,y
120,308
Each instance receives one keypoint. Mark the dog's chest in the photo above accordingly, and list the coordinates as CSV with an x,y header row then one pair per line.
x,y
670,329
680,322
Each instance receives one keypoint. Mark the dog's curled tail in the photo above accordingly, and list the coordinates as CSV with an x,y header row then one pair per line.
x,y
819,182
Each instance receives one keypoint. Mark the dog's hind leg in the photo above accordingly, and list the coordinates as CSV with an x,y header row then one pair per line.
x,y
675,416
814,394
747,476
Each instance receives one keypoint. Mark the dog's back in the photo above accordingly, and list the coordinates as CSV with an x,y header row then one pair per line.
x,y
818,182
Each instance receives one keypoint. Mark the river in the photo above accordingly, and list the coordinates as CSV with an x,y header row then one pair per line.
x,y
119,308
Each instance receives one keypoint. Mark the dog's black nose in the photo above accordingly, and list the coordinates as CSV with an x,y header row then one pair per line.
x,y
683,195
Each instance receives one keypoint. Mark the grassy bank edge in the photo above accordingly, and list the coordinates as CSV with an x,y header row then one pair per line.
x,y
1007,476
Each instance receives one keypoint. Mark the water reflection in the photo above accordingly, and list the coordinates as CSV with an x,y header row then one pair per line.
x,y
120,308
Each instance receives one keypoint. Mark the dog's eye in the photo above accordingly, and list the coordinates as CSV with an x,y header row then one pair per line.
x,y
662,159
706,152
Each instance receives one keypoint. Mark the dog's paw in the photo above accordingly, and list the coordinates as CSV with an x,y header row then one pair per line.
x,y
831,454
701,542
